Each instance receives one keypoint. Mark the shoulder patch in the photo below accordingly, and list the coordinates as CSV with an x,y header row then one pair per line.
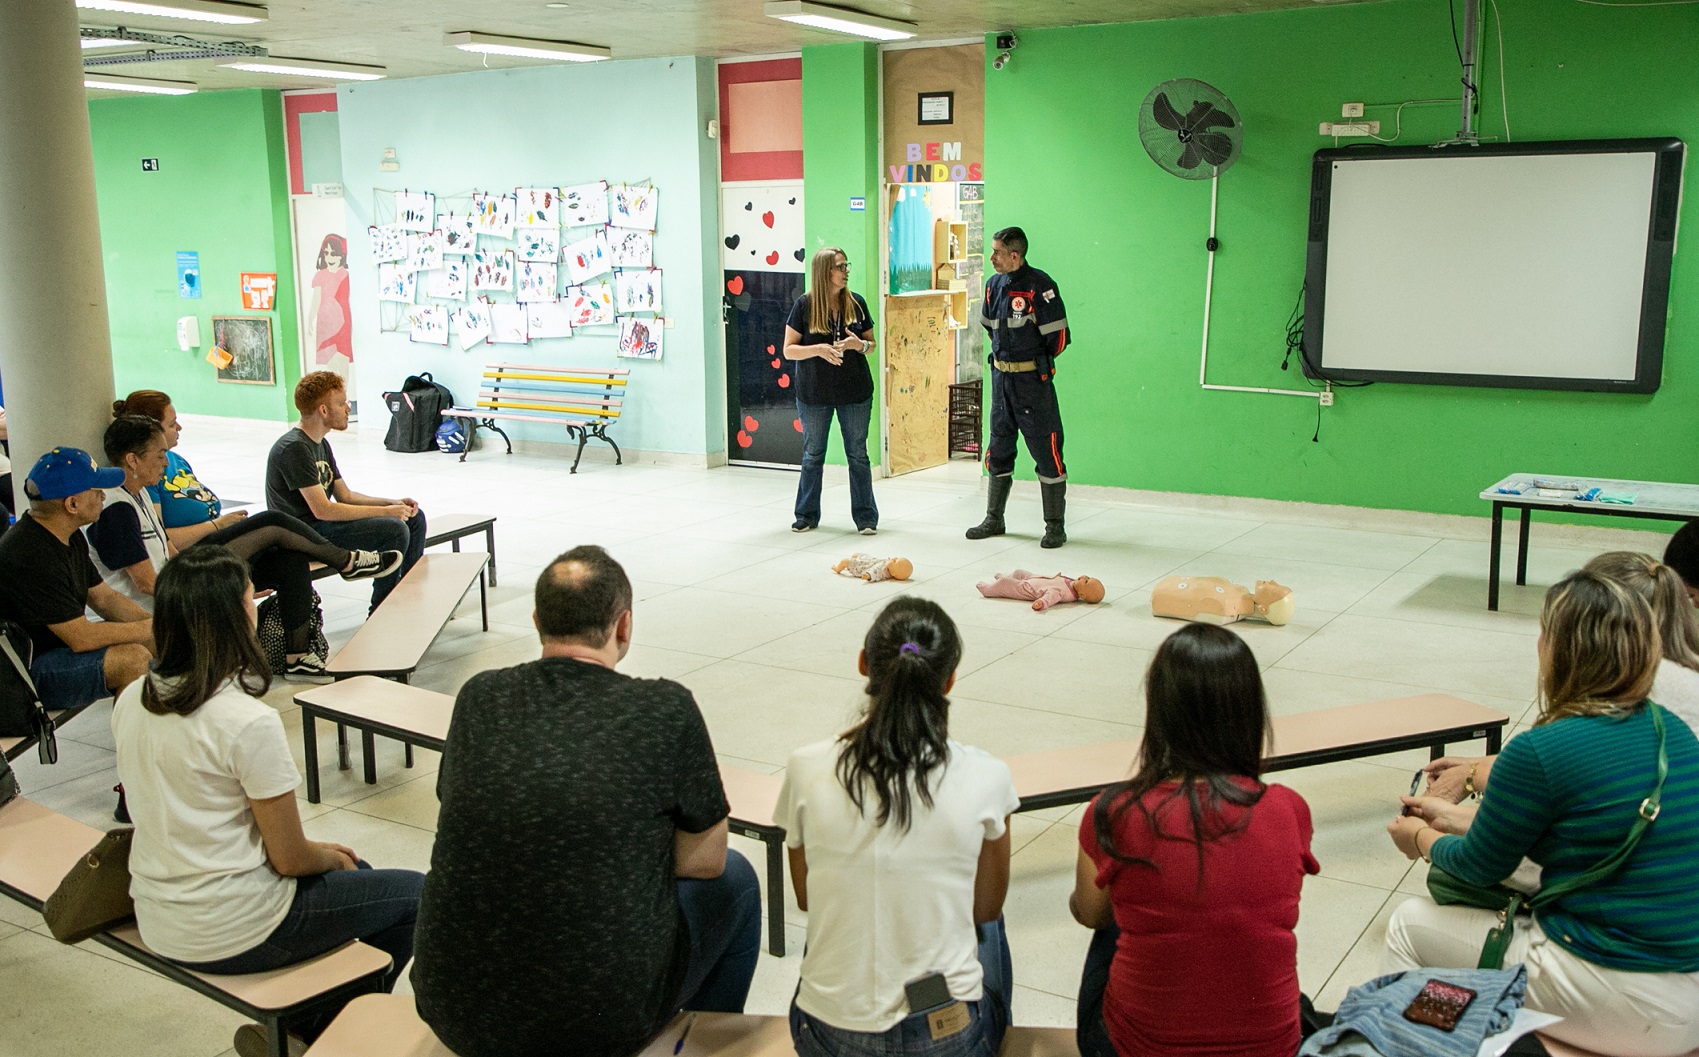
x,y
1049,295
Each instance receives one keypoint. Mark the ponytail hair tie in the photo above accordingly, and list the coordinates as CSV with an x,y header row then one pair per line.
x,y
909,647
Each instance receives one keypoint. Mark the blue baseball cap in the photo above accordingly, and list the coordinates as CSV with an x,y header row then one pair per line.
x,y
66,472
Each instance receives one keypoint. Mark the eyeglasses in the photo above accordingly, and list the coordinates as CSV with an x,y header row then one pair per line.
x,y
844,267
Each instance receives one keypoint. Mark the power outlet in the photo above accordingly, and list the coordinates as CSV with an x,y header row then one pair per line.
x,y
1350,128
1327,398
1351,110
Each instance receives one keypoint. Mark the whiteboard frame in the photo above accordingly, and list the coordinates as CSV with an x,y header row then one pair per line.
x,y
1654,304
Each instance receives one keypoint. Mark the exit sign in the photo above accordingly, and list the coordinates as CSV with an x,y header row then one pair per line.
x,y
150,165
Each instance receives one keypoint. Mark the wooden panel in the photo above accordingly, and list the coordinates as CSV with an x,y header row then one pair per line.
x,y
38,847
753,796
920,364
959,69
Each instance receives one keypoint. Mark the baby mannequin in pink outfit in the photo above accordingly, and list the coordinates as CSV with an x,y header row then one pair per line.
x,y
1044,591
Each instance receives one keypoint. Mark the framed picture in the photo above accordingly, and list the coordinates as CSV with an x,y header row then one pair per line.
x,y
937,108
248,341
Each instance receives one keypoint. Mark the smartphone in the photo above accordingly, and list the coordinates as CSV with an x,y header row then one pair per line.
x,y
1439,1005
1415,788
926,993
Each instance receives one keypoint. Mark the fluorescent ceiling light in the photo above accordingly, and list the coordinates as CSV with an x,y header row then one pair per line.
x,y
526,47
106,42
191,10
144,85
840,20
324,71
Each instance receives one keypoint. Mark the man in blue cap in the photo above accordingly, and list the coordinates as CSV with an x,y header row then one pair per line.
x,y
46,580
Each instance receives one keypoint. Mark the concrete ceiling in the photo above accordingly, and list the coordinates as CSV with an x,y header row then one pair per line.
x,y
405,36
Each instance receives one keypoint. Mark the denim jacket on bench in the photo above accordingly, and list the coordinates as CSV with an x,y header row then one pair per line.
x,y
1374,1012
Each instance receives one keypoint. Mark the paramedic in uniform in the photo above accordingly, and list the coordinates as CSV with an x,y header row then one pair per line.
x,y
1029,329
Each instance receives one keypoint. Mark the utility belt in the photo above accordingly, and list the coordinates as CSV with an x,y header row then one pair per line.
x,y
1015,366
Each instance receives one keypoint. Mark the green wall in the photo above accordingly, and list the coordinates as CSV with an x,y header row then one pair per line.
x,y
222,190
1124,240
840,151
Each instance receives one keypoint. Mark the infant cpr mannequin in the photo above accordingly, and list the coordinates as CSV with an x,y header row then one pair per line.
x,y
874,569
1043,591
1214,600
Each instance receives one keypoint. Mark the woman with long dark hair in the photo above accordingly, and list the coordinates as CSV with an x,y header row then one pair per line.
x,y
828,337
1190,872
899,852
223,877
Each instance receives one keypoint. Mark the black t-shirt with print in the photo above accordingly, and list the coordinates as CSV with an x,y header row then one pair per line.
x,y
819,382
43,581
298,461
550,920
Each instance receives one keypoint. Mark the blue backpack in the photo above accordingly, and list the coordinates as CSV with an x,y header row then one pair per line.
x,y
452,436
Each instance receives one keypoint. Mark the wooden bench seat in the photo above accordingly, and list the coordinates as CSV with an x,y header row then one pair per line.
x,y
584,401
393,640
449,529
389,1026
39,846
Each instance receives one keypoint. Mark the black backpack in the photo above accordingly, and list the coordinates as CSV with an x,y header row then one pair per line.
x,y
415,413
21,712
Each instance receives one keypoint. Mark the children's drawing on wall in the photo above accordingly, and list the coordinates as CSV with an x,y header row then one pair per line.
x,y
586,258
389,243
424,251
629,248
492,269
415,210
584,204
472,323
492,214
330,330
911,239
640,338
428,324
508,324
537,207
449,281
548,319
537,244
459,232
396,283
536,282
634,206
637,291
591,304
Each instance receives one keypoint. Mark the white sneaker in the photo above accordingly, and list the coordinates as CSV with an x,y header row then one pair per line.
x,y
369,565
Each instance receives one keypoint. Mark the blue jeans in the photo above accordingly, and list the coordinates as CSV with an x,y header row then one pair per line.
x,y
983,1037
380,534
723,917
67,679
376,907
853,420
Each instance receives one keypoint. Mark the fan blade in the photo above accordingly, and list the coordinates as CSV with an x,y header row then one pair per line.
x,y
1190,157
1216,147
1210,118
1165,114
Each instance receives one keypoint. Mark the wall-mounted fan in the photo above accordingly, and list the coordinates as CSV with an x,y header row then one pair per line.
x,y
1190,129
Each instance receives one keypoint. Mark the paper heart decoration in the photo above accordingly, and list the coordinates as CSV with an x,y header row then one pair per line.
x,y
775,365
796,424
767,218
735,285
750,424
732,241
784,381
769,350
744,440
773,258
798,255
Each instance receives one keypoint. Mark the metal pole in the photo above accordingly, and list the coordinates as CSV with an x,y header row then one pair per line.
x,y
1471,61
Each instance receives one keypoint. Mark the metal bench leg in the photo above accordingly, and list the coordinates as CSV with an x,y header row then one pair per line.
x,y
583,438
490,545
343,763
1436,751
310,750
369,753
276,1037
775,895
483,600
490,423
1495,740
1492,556
407,748
471,436
619,459
1522,548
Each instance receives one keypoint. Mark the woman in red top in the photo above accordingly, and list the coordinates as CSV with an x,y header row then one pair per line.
x,y
1190,872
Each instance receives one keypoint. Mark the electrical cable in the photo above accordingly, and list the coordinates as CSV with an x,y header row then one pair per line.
x,y
1503,105
1457,46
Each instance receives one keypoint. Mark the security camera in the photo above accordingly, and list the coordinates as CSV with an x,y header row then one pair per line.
x,y
1000,61
1007,41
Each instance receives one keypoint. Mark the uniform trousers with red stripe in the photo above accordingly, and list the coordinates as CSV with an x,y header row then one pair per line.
x,y
1025,404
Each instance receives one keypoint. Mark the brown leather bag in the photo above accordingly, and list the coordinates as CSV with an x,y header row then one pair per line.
x,y
95,894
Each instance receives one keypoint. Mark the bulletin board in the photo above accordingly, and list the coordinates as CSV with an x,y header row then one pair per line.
x,y
920,357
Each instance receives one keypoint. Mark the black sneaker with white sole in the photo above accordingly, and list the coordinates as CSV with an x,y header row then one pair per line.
x,y
309,668
369,565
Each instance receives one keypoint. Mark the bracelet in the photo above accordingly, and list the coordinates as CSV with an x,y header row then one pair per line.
x,y
1469,789
1427,856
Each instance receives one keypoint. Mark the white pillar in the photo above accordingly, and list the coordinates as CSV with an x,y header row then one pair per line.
x,y
55,347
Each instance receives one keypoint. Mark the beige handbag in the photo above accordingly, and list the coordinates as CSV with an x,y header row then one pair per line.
x,y
95,895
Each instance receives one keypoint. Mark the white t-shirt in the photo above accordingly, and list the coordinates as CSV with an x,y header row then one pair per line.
x,y
152,540
1677,689
198,872
887,906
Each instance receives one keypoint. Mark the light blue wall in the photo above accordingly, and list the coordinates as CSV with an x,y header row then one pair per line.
x,y
546,127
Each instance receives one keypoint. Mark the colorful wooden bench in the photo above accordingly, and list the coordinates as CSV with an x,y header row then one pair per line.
x,y
583,400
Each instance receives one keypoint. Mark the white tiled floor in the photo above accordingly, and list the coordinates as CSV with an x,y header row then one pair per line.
x,y
748,615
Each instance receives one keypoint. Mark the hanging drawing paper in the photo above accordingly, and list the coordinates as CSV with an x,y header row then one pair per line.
x,y
415,210
537,244
639,339
601,298
629,248
424,251
584,204
508,324
449,281
473,323
396,283
429,324
548,319
492,214
536,282
537,207
634,206
637,291
389,243
492,269
459,232
587,258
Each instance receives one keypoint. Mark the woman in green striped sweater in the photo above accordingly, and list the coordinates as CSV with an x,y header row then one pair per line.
x,y
1619,959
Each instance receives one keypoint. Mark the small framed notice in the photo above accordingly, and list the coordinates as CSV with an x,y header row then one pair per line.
x,y
937,108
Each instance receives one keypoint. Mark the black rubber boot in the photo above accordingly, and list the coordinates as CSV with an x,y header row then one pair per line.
x,y
996,498
1055,508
